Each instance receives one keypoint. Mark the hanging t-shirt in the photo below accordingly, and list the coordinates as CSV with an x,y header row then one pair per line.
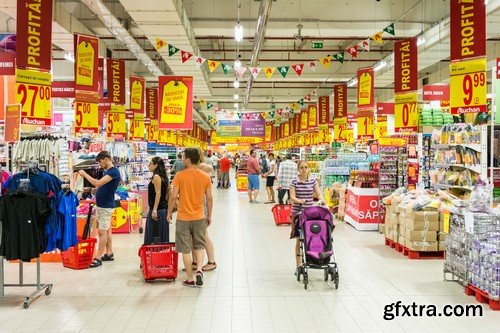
x,y
68,202
105,195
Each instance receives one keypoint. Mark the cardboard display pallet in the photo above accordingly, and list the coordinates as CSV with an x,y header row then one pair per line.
x,y
482,297
413,254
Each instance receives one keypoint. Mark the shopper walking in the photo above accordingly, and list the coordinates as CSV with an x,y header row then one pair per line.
x,y
209,245
105,202
156,222
302,191
253,173
178,166
270,177
191,186
215,165
225,166
286,174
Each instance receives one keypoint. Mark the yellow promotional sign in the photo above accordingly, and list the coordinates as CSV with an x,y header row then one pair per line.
x,y
163,137
339,132
136,95
365,127
304,120
365,87
151,133
176,102
313,117
468,86
85,57
117,127
137,127
380,130
33,92
269,131
286,130
86,118
349,135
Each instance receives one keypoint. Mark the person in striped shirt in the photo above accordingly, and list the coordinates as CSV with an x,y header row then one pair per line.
x,y
302,191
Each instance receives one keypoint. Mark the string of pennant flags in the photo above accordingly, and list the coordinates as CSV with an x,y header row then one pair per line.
x,y
269,71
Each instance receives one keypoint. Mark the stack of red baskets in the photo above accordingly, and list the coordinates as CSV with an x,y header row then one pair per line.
x,y
79,256
159,261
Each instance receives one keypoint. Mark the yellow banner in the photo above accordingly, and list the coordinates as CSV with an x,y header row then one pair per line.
x,y
365,127
33,92
468,86
86,118
313,117
137,95
85,57
117,127
137,128
151,133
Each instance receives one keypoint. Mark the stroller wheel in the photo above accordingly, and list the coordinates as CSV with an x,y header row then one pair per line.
x,y
306,280
326,274
141,230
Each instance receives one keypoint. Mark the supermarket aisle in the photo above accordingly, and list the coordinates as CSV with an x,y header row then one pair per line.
x,y
252,290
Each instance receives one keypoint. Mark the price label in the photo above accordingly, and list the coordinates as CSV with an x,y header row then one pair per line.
x,y
339,132
137,130
116,125
86,117
151,133
406,117
349,136
33,92
468,86
365,127
380,130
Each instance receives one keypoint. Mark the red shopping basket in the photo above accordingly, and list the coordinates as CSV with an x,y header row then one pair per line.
x,y
282,214
159,261
79,256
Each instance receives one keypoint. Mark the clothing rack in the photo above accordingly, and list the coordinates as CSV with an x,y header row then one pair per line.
x,y
39,286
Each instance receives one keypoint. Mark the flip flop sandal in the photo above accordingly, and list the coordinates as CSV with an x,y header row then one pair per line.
x,y
210,266
108,257
95,263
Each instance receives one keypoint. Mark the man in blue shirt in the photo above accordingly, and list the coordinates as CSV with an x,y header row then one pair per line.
x,y
105,202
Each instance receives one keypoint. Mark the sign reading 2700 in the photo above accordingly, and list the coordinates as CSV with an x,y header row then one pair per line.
x,y
33,92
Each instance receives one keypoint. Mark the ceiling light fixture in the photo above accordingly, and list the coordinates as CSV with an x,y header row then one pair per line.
x,y
352,82
420,40
235,105
236,84
236,96
380,65
238,32
237,63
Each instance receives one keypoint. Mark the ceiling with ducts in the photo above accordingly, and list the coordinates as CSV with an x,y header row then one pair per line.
x,y
277,33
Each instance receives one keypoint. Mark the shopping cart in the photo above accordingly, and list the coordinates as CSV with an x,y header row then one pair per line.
x,y
281,214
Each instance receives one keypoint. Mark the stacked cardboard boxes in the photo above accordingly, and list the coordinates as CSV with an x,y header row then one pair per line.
x,y
392,222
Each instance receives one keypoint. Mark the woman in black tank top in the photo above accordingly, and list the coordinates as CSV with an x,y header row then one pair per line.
x,y
157,228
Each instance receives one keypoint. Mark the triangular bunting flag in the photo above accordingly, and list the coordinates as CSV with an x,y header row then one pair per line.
x,y
240,71
298,68
272,113
353,51
269,71
226,68
378,37
301,102
209,117
312,65
248,116
365,44
209,106
217,108
160,43
295,106
280,111
326,61
185,56
284,70
172,50
212,65
202,103
239,114
199,61
307,98
255,71
390,29
339,57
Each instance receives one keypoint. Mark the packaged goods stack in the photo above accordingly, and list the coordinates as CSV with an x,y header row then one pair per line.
x,y
430,118
339,168
427,154
457,250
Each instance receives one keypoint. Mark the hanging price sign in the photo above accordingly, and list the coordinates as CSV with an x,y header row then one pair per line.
x,y
405,113
151,133
86,118
116,122
365,125
339,129
137,128
468,86
33,92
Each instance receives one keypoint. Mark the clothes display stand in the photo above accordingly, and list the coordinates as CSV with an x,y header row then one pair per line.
x,y
47,287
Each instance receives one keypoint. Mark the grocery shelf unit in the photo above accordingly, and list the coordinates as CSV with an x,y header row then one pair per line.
x,y
338,169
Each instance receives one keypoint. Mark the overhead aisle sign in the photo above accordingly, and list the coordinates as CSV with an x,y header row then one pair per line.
x,y
33,92
176,102
116,81
468,86
366,88
405,86
116,127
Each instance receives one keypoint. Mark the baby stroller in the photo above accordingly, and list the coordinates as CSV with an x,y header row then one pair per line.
x,y
316,227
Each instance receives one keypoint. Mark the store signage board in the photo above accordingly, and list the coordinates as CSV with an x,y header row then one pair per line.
x,y
137,85
86,118
340,101
317,45
12,122
63,89
406,113
467,29
436,92
312,109
116,80
366,88
137,128
116,126
324,112
152,103
7,63
304,120
34,34
176,102
253,125
405,65
339,131
269,132
151,133
468,86
385,109
33,92
86,63
366,127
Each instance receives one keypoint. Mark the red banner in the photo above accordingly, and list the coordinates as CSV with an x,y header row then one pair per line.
x,y
137,85
86,63
340,101
176,102
467,29
116,80
405,65
385,108
291,126
352,118
366,88
324,111
436,92
63,89
34,34
100,76
152,103
7,63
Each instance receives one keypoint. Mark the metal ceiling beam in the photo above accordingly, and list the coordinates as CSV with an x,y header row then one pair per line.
x,y
260,34
295,20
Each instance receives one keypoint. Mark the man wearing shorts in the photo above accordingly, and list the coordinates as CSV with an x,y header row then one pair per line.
x,y
225,166
253,172
105,202
191,186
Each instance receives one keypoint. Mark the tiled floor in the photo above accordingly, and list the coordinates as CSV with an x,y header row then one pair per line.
x,y
252,290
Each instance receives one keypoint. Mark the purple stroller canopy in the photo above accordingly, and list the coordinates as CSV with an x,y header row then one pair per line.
x,y
316,213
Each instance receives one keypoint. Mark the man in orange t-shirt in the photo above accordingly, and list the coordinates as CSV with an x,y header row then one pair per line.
x,y
191,186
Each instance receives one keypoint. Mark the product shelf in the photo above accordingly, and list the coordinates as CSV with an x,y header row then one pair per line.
x,y
476,147
446,187
475,168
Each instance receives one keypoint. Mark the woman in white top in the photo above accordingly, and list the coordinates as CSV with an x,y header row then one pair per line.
x,y
270,177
